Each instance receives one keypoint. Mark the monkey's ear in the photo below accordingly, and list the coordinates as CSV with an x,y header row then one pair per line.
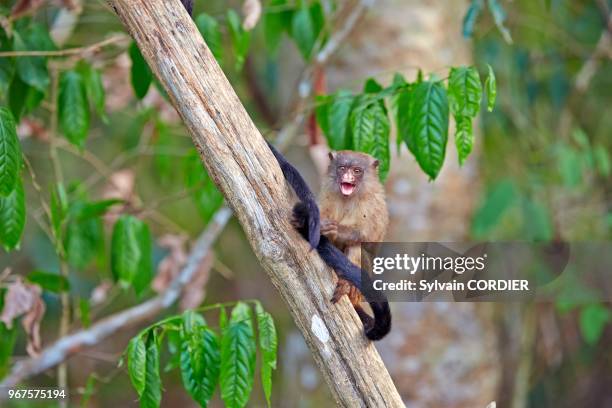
x,y
375,164
331,156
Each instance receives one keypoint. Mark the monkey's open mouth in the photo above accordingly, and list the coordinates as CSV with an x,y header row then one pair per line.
x,y
347,188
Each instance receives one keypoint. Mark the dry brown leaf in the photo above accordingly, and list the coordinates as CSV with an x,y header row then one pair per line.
x,y
5,273
19,299
120,94
251,9
72,5
120,185
25,299
31,127
170,266
25,6
100,292
195,292
31,325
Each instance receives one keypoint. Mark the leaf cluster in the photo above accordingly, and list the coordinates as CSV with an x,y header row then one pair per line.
x,y
207,358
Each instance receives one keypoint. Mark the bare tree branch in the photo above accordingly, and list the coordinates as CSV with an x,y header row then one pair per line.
x,y
73,343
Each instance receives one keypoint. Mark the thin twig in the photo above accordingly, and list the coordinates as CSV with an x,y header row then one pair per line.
x,y
68,51
73,343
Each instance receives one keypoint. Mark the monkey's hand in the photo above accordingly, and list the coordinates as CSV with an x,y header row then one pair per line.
x,y
305,220
329,228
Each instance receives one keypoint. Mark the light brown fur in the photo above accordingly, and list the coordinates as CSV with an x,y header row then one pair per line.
x,y
360,217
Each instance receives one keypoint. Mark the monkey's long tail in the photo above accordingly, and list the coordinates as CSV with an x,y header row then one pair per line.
x,y
333,257
310,207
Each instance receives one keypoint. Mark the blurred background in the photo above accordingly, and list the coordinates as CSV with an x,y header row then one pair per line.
x,y
540,171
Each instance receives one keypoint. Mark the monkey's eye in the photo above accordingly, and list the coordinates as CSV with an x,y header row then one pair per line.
x,y
341,168
357,171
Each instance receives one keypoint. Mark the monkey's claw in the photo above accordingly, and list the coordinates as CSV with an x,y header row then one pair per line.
x,y
342,288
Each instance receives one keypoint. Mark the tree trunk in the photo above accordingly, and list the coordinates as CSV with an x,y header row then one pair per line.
x,y
244,169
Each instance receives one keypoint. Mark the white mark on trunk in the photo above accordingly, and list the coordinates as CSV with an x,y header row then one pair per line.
x,y
320,331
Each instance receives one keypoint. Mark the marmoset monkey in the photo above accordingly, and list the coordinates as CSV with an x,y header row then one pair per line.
x,y
353,210
358,214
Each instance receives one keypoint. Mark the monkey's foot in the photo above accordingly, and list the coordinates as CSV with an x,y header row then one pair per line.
x,y
342,288
366,319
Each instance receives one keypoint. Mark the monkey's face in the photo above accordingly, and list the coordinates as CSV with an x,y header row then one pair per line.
x,y
349,170
349,178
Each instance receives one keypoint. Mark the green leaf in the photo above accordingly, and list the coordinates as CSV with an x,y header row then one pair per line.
x,y
464,137
200,358
370,130
276,19
151,395
581,138
18,95
303,31
141,74
241,39
88,390
372,86
537,222
322,104
470,18
238,356
464,91
268,343
144,274
86,210
428,132
49,281
400,106
499,16
491,87
10,153
164,163
32,70
223,319
73,109
207,197
84,311
498,199
59,209
593,320
7,344
12,217
94,87
318,20
131,253
569,163
333,117
84,239
602,160
7,65
137,363
209,28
